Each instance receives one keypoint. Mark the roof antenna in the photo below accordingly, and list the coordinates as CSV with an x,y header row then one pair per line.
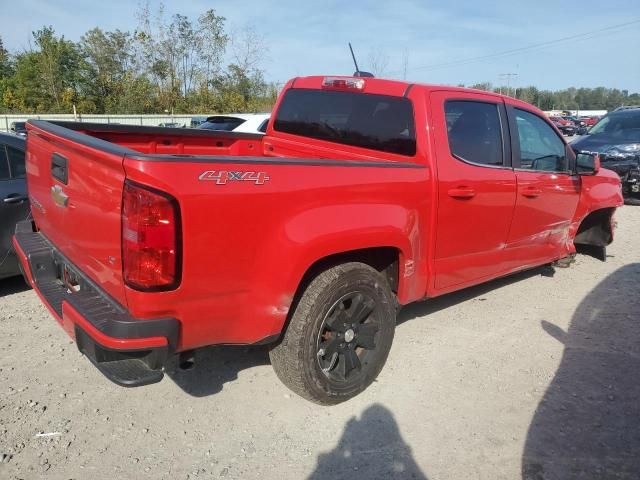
x,y
358,73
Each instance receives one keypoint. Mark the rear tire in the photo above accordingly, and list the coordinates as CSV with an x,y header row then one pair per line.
x,y
339,335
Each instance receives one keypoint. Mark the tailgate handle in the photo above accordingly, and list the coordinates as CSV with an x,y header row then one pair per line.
x,y
59,169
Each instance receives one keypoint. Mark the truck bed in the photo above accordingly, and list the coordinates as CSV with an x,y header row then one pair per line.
x,y
156,140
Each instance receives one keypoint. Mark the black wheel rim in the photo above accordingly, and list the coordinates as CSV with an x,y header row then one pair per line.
x,y
347,337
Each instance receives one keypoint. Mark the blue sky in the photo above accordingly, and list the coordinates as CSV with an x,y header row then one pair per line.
x,y
307,38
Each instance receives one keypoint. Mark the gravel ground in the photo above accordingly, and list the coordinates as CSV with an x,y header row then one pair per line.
x,y
536,376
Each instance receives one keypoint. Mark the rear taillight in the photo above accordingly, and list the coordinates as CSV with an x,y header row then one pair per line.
x,y
150,239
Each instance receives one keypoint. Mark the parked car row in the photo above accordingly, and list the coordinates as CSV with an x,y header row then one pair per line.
x,y
566,127
571,125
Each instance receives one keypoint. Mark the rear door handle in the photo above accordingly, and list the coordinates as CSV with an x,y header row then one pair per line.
x,y
14,198
531,192
462,192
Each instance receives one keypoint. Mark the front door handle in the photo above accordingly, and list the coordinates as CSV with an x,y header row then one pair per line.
x,y
531,192
14,198
462,192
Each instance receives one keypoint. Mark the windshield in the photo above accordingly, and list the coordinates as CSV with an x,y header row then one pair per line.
x,y
624,126
222,123
377,122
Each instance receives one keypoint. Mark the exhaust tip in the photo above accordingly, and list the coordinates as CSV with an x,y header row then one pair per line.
x,y
187,360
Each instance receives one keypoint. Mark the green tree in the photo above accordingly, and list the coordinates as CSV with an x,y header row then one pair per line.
x,y
212,47
6,67
59,64
6,72
109,60
486,86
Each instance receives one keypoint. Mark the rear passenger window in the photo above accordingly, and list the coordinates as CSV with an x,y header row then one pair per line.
x,y
474,131
16,162
4,166
540,147
366,120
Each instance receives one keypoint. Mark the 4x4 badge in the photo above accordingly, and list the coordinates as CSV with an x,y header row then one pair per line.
x,y
222,177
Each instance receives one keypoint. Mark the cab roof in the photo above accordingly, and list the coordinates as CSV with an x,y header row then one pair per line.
x,y
384,86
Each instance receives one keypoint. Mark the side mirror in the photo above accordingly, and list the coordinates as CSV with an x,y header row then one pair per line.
x,y
587,163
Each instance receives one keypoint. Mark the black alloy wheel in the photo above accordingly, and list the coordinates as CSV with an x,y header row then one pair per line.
x,y
347,336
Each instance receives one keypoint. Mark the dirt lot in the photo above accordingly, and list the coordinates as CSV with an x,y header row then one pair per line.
x,y
533,376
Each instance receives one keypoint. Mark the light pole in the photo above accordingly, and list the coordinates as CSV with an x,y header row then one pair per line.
x,y
508,77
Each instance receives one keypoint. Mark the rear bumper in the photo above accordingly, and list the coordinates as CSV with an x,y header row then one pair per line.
x,y
128,351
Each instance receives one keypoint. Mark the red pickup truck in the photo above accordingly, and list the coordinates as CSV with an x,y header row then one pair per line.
x,y
364,195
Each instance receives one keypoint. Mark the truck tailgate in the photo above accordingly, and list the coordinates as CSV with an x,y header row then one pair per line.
x,y
75,186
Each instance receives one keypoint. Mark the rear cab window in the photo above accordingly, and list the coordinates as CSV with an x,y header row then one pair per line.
x,y
376,122
474,132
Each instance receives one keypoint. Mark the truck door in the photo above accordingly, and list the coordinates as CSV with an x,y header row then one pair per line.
x,y
548,191
14,206
476,187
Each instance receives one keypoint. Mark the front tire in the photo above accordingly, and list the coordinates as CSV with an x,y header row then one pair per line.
x,y
339,336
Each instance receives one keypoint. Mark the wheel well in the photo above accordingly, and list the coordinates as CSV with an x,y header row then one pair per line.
x,y
383,259
595,229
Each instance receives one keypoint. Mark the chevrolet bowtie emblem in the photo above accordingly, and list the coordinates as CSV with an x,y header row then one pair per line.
x,y
58,195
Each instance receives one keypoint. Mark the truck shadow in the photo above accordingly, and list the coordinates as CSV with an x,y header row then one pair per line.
x,y
11,285
218,365
370,447
586,426
433,305
215,366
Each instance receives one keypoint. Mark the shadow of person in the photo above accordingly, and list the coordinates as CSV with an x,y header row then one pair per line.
x,y
587,426
215,366
12,285
370,448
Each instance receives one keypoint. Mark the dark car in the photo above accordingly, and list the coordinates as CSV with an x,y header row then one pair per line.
x,y
573,119
616,137
568,130
19,128
14,205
